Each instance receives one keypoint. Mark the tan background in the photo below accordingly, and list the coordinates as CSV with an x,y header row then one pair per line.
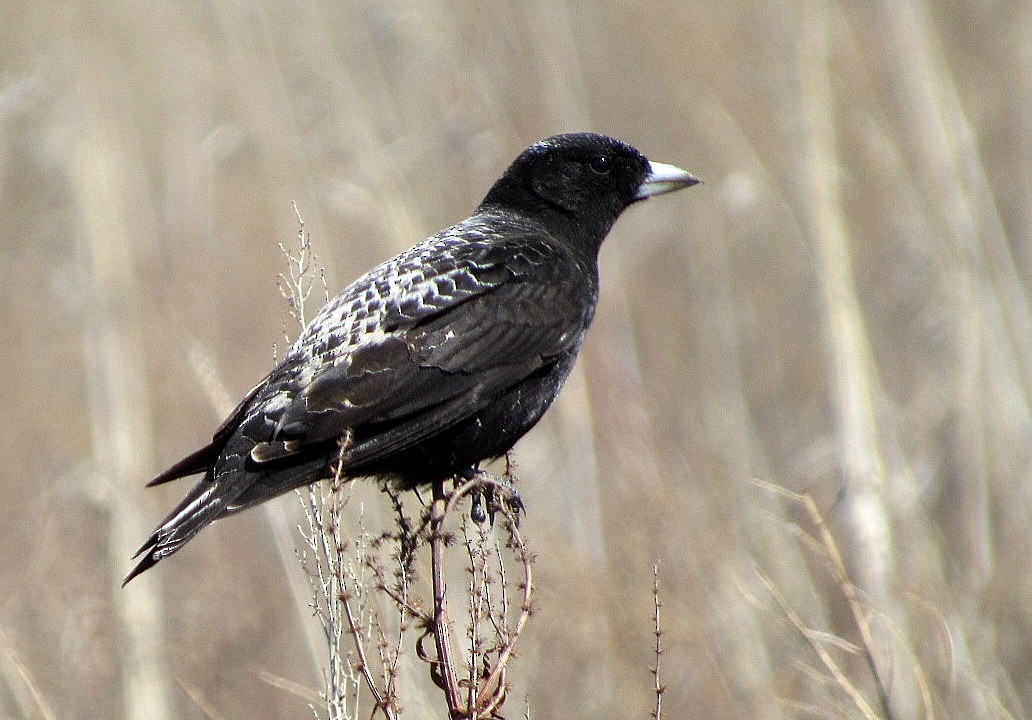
x,y
841,308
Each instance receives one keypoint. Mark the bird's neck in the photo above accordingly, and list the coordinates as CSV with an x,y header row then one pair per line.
x,y
581,233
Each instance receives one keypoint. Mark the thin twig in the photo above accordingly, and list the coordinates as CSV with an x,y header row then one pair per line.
x,y
657,686
198,698
445,666
477,589
496,678
344,598
849,590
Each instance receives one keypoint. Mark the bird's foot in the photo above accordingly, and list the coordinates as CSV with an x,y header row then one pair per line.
x,y
490,494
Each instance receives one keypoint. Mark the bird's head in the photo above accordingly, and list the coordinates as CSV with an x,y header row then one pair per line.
x,y
582,180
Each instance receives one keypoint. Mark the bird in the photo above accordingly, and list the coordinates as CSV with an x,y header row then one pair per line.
x,y
438,359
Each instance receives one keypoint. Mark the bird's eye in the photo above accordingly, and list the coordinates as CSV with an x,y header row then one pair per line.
x,y
601,165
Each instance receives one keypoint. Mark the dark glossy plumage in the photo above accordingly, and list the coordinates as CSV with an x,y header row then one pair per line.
x,y
437,359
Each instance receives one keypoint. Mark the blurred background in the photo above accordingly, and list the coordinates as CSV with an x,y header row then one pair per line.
x,y
842,309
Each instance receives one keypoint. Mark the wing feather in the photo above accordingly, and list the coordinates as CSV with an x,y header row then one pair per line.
x,y
405,389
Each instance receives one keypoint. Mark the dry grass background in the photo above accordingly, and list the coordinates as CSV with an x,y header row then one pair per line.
x,y
842,308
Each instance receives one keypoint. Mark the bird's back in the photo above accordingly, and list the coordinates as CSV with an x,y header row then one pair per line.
x,y
468,314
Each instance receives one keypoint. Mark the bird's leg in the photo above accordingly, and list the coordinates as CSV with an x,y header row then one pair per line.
x,y
476,496
491,493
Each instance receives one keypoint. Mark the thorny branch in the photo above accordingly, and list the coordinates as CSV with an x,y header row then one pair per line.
x,y
472,681
443,669
657,687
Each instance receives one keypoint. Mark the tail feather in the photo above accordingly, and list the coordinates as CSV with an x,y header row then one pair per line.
x,y
204,459
209,498
303,470
146,563
230,484
196,462
202,505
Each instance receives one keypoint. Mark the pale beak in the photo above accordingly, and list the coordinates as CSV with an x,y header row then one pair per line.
x,y
663,178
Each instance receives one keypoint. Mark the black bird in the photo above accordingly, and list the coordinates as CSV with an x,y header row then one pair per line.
x,y
439,358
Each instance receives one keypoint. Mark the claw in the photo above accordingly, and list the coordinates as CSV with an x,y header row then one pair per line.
x,y
476,508
491,494
510,500
503,495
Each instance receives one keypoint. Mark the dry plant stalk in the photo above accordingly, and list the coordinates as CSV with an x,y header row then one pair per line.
x,y
826,549
362,586
494,624
302,268
657,686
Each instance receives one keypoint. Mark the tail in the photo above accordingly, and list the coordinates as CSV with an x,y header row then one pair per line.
x,y
202,505
236,488
208,500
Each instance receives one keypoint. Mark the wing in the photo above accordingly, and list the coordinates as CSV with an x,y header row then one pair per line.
x,y
444,358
